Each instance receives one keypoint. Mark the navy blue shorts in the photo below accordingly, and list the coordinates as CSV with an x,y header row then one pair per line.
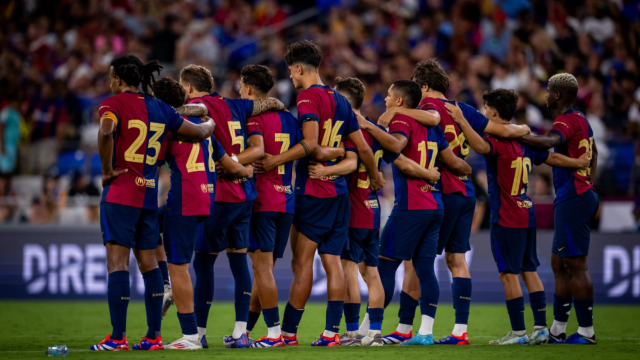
x,y
513,249
411,234
455,230
129,226
226,228
180,234
363,246
324,221
270,232
572,219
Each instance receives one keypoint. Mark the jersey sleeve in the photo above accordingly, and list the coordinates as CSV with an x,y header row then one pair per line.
x,y
494,146
350,146
352,123
477,121
174,120
428,105
109,110
562,127
307,106
539,157
218,150
400,126
255,126
443,144
243,105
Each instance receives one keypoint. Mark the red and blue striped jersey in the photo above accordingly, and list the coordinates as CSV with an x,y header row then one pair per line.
x,y
452,183
142,123
337,121
280,131
193,174
365,207
230,116
508,166
423,146
576,134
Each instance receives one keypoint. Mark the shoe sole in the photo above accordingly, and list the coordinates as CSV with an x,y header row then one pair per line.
x,y
166,307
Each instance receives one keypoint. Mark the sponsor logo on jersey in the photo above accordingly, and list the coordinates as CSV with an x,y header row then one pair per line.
x,y
282,188
150,183
140,181
302,101
371,204
525,204
329,178
427,188
210,188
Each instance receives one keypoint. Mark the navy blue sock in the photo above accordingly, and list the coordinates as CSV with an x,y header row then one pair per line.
x,y
429,289
561,307
188,323
538,303
203,291
352,316
461,288
515,308
291,319
271,317
584,312
253,319
153,293
407,310
165,271
387,269
376,315
334,315
242,279
118,294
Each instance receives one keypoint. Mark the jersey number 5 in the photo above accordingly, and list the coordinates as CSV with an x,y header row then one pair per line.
x,y
157,129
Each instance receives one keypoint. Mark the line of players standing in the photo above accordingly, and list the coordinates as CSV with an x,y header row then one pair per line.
x,y
216,203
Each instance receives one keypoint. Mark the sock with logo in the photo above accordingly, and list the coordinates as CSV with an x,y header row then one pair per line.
x,y
376,315
203,291
188,325
165,271
515,308
272,318
242,279
584,313
429,288
352,316
153,294
538,303
118,294
364,325
387,269
334,315
253,319
561,311
461,289
407,310
291,320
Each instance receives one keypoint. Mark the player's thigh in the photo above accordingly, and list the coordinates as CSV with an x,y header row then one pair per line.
x,y
238,231
572,219
305,253
428,245
118,224
263,231
402,233
458,241
508,246
180,234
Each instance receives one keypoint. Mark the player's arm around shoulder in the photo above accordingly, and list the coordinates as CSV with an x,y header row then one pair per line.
x,y
424,117
413,169
394,142
235,169
457,165
559,160
475,140
345,167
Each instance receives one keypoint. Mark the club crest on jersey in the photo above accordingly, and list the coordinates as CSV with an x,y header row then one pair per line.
x,y
329,178
239,180
525,204
427,188
282,188
203,187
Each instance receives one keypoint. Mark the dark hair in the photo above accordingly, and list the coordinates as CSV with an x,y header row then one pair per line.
x,y
503,100
259,77
303,52
198,76
430,73
351,88
409,91
134,73
169,91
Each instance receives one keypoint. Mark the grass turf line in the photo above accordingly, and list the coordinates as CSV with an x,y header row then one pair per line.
x,y
29,327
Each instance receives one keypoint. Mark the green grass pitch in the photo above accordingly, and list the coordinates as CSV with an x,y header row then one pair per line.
x,y
27,328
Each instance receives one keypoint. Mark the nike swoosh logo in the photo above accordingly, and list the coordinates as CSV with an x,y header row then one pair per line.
x,y
560,249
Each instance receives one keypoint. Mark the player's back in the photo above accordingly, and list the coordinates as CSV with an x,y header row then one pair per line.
x,y
423,145
336,121
280,131
508,166
577,138
457,140
230,117
142,123
193,174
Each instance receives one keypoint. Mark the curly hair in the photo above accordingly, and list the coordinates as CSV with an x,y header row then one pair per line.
x,y
134,73
430,73
565,83
503,100
169,91
351,88
259,77
303,52
198,76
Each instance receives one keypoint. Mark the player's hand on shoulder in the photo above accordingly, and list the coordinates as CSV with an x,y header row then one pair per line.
x,y
385,119
584,160
455,112
110,176
364,124
434,175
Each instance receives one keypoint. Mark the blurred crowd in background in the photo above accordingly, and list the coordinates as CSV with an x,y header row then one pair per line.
x,y
55,56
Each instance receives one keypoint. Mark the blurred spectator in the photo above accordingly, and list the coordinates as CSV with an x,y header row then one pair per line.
x,y
83,192
10,121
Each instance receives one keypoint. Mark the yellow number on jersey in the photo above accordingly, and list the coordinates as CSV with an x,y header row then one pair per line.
x,y
523,167
235,139
364,184
212,164
430,145
331,137
434,147
458,140
130,154
192,164
584,143
285,139
158,130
